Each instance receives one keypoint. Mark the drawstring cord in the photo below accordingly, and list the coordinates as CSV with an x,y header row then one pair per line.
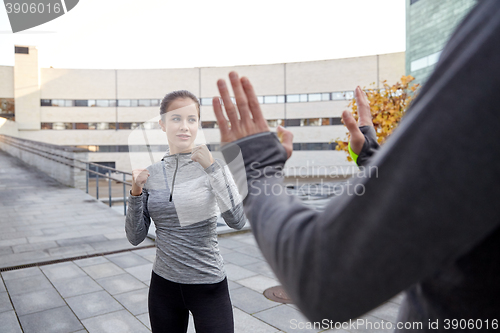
x,y
173,179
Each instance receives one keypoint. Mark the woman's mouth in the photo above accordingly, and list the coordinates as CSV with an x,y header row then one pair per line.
x,y
183,136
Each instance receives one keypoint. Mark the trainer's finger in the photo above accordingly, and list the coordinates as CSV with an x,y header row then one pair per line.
x,y
228,104
240,96
221,120
254,105
357,137
286,138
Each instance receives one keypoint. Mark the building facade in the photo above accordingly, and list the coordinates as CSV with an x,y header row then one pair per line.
x,y
429,24
100,109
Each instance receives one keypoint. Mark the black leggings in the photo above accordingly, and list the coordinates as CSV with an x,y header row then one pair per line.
x,y
170,302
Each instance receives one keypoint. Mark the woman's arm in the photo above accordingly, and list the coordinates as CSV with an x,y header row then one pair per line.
x,y
138,220
227,195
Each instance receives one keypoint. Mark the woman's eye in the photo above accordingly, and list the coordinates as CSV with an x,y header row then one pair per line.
x,y
176,119
192,120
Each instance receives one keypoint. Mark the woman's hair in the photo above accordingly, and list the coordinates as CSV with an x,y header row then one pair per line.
x,y
172,96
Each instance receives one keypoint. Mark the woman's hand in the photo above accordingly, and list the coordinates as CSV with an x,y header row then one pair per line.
x,y
139,178
202,155
364,119
286,139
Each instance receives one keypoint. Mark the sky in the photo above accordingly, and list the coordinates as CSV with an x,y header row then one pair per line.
x,y
126,34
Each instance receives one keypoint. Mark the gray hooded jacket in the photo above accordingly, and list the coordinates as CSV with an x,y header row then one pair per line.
x,y
184,200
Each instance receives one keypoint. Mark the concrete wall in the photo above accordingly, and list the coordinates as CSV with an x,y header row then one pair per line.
x,y
27,90
8,127
6,82
33,154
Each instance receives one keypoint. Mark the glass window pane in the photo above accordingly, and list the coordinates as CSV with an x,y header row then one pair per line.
x,y
281,99
206,101
260,99
46,126
102,102
46,102
209,124
58,126
314,97
92,103
133,102
112,125
349,94
55,102
102,126
92,126
337,95
292,122
155,102
82,126
112,102
270,99
125,125
81,102
292,98
144,102
325,96
303,97
325,121
68,102
124,102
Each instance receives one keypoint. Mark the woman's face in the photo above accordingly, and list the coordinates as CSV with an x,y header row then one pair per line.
x,y
181,125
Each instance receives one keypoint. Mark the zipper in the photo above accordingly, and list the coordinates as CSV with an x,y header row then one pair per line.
x,y
173,178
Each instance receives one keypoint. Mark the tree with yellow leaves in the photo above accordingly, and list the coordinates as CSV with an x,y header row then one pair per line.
x,y
387,106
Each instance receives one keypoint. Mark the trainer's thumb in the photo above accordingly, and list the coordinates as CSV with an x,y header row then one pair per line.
x,y
286,138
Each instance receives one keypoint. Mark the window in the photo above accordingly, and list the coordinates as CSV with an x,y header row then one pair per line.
x,y
58,102
82,126
102,126
206,101
155,102
337,95
292,122
68,102
92,126
102,103
349,94
270,99
314,97
125,126
325,96
275,122
124,102
46,126
133,102
292,98
260,99
209,124
81,102
310,122
46,102
144,102
92,103
112,102
22,50
281,99
303,97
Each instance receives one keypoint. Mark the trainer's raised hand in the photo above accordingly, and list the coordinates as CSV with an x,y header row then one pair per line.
x,y
364,119
250,120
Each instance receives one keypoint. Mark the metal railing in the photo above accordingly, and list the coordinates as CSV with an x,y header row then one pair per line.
x,y
18,143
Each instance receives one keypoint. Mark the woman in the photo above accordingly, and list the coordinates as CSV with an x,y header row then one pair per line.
x,y
183,194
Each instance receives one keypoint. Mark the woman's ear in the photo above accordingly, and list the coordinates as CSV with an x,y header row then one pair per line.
x,y
162,125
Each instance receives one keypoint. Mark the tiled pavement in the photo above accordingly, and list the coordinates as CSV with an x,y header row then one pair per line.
x,y
109,294
42,220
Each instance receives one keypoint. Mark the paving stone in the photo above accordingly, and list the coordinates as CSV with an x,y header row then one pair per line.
x,y
9,322
93,304
127,259
103,270
2,286
228,243
223,250
239,259
146,252
233,285
36,301
5,250
387,311
286,319
33,247
142,273
120,284
62,271
27,284
58,320
243,322
91,261
253,251
144,318
76,286
262,268
259,283
135,301
235,272
71,251
5,304
21,273
250,301
115,322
